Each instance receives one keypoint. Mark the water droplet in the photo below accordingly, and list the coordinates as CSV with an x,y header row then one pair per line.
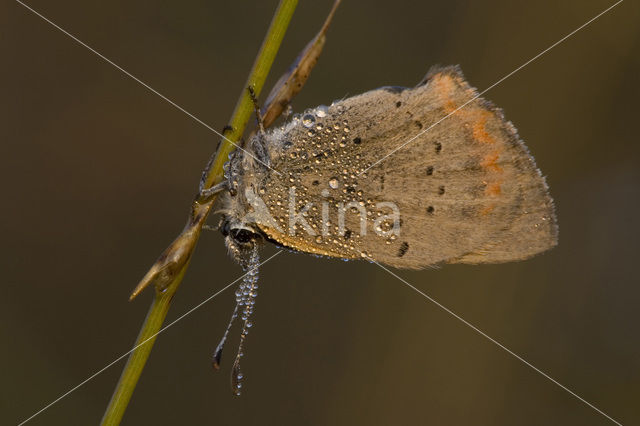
x,y
318,239
322,111
333,183
308,120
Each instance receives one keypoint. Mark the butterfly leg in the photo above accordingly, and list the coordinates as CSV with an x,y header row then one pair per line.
x,y
205,194
256,107
258,141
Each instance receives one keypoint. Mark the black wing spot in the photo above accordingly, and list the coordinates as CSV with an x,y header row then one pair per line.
x,y
429,170
315,183
347,234
403,249
418,124
357,141
438,147
398,104
430,210
441,190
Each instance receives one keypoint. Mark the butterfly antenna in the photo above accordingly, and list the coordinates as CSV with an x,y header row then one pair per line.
x,y
217,355
246,299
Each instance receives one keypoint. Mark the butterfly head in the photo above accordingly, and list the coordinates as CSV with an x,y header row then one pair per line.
x,y
240,237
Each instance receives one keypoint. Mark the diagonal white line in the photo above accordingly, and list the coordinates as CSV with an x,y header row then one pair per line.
x,y
500,345
190,311
143,83
493,85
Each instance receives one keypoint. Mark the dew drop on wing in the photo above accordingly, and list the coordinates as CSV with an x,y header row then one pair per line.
x,y
308,120
321,111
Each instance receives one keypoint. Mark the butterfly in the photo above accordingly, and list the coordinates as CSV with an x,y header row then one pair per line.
x,y
407,177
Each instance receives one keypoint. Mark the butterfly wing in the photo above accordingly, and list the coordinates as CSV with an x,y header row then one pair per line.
x,y
464,186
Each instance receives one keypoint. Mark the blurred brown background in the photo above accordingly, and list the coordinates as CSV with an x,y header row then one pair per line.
x,y
98,173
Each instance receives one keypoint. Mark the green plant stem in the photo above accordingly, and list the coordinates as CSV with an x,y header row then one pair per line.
x,y
138,358
244,107
186,241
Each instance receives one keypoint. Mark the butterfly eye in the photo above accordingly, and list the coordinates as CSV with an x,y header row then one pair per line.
x,y
243,235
